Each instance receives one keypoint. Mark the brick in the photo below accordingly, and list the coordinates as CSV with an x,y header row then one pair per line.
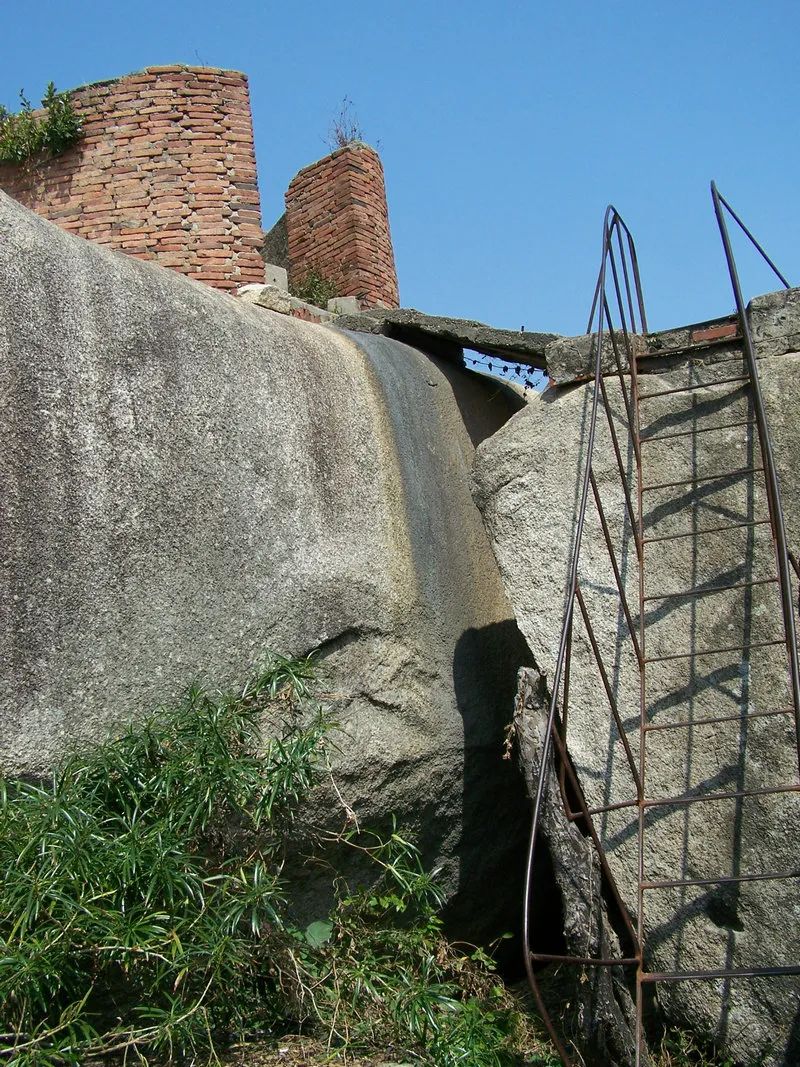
x,y
165,171
714,333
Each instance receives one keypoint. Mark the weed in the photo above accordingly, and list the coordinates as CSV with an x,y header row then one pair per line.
x,y
25,135
345,128
144,908
315,288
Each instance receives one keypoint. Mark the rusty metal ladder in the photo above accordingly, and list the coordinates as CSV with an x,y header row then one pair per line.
x,y
619,287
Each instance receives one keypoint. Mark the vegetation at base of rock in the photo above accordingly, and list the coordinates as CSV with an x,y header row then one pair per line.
x,y
315,288
143,907
25,135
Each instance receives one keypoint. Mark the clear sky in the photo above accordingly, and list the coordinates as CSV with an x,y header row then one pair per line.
x,y
504,128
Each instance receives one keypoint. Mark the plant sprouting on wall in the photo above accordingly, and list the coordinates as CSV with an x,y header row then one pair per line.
x,y
345,128
26,134
315,288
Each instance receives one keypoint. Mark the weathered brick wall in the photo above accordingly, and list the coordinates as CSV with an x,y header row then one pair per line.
x,y
337,222
165,171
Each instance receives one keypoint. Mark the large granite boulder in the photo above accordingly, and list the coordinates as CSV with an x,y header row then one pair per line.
x,y
527,482
189,480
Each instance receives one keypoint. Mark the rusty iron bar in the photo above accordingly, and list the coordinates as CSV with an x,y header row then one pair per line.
x,y
691,388
706,478
614,565
696,433
555,736
741,717
620,467
726,879
732,972
608,688
707,530
612,224
707,590
714,651
767,455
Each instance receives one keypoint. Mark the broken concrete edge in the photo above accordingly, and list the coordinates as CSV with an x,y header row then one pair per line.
x,y
421,330
774,320
273,298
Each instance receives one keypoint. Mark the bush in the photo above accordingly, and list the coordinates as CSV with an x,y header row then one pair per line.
x,y
25,135
143,906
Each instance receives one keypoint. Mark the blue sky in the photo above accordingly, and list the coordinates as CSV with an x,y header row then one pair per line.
x,y
504,128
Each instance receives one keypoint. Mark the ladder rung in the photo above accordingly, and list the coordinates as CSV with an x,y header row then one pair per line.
x,y
618,806
583,961
694,433
724,880
701,590
734,972
706,478
690,388
685,799
714,651
719,718
706,530
699,348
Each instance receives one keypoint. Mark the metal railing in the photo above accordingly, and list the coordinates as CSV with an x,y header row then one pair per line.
x,y
616,318
618,287
783,557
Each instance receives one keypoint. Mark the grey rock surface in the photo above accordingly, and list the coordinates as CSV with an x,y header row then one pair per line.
x,y
190,480
416,327
527,480
595,1007
276,245
277,276
775,322
572,359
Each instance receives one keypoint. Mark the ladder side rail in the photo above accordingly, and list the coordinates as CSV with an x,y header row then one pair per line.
x,y
765,442
626,288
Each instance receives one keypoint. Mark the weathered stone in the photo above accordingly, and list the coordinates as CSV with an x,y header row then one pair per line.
x,y
276,245
274,299
250,292
344,305
417,328
572,359
775,322
189,481
277,276
527,483
601,1012
681,337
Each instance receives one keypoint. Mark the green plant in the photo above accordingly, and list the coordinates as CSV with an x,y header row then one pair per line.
x,y
378,973
25,134
315,288
143,906
142,903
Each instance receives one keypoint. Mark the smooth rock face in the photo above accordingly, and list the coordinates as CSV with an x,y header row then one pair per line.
x,y
527,483
190,480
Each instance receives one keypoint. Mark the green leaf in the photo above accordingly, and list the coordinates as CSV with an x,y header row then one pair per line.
x,y
319,933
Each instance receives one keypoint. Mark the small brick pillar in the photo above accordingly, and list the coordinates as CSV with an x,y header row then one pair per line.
x,y
165,170
337,222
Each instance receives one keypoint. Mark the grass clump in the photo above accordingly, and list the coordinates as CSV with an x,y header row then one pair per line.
x,y
24,134
315,288
144,907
